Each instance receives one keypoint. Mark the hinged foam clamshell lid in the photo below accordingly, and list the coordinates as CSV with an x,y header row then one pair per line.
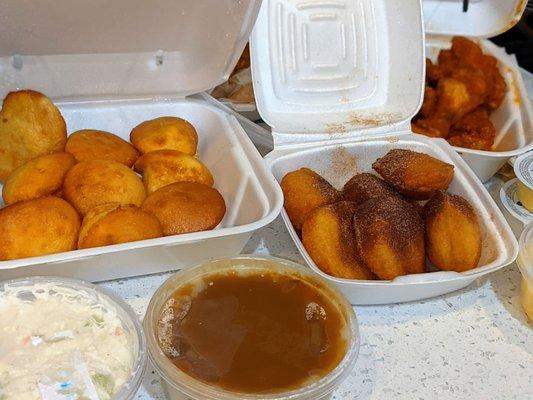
x,y
121,48
484,18
333,66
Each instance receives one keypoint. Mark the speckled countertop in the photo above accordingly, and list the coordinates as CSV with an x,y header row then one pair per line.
x,y
471,344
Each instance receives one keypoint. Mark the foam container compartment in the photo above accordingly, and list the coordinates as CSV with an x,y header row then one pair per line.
x,y
339,82
513,120
121,78
338,163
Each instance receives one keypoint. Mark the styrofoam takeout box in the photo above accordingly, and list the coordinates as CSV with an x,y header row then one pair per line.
x,y
513,120
339,82
118,78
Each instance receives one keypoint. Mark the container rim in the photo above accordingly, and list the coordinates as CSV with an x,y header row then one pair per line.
x,y
198,390
130,387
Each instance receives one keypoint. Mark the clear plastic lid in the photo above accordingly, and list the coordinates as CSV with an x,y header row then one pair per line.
x,y
121,48
484,18
523,169
337,66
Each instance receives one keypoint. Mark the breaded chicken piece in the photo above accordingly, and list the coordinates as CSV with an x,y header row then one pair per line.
x,y
40,177
453,235
30,126
415,175
114,223
37,227
163,167
328,237
474,131
389,236
429,105
304,190
432,127
365,186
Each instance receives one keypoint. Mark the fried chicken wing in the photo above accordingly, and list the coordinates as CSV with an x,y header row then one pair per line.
x,y
464,80
389,236
415,175
474,131
328,237
453,235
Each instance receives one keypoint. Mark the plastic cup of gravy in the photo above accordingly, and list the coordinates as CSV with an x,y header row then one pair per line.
x,y
64,339
250,328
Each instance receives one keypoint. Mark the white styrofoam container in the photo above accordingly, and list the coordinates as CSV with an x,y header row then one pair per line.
x,y
130,80
513,120
324,83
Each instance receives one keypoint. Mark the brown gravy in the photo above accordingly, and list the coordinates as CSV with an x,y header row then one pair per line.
x,y
253,333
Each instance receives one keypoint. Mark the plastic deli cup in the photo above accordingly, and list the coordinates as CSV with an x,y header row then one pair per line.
x,y
523,169
525,264
64,339
192,287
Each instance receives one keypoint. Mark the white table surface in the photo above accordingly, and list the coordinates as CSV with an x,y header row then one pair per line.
x,y
471,344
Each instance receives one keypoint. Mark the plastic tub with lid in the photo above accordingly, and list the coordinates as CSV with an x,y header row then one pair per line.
x,y
68,339
110,66
338,82
513,120
525,264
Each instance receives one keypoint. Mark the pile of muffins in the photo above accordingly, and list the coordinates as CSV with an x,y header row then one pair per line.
x,y
93,188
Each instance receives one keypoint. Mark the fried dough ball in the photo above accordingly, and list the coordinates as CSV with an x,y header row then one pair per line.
x,y
304,190
365,186
184,207
30,126
163,167
37,227
114,223
415,175
389,236
453,235
40,177
165,133
328,237
91,183
91,144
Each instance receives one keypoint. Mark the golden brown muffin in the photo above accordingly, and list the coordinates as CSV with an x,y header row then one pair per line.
x,y
389,236
415,175
165,133
453,235
184,207
30,126
304,190
114,223
91,183
328,237
365,186
163,167
40,177
37,227
91,144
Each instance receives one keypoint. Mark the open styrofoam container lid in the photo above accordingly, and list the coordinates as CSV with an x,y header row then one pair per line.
x,y
484,18
121,48
337,66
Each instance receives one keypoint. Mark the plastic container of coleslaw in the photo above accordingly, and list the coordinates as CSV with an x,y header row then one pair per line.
x,y
181,386
63,339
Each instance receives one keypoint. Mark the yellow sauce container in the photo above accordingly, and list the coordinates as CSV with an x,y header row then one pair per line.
x,y
525,264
